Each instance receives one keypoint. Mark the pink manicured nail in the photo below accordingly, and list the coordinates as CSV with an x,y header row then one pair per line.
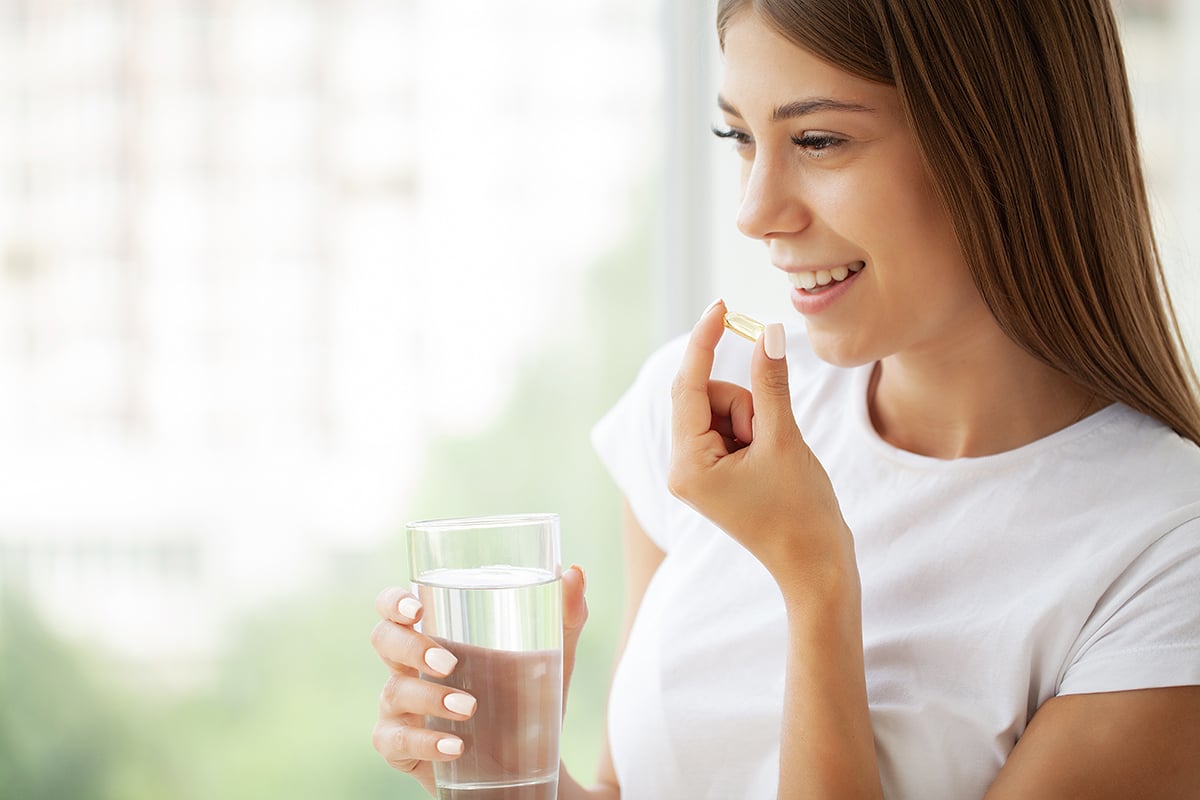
x,y
440,660
711,306
450,747
459,703
774,341
409,607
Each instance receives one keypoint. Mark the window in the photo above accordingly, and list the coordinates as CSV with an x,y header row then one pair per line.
x,y
274,278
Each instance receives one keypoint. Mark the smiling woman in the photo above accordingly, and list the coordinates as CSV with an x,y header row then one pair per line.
x,y
943,542
833,178
1045,194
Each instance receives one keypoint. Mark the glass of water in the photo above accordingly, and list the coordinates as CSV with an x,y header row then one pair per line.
x,y
492,591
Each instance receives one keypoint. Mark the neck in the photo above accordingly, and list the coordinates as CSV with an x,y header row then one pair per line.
x,y
972,401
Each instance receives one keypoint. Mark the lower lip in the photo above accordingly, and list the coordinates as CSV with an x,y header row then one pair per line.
x,y
807,303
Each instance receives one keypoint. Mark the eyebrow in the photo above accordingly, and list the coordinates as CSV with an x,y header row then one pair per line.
x,y
799,108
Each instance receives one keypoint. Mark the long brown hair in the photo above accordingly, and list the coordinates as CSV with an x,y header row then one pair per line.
x,y
1023,113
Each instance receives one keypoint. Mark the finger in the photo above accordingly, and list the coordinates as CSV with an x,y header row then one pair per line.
x,y
575,614
732,409
401,648
404,746
691,414
406,694
773,417
398,605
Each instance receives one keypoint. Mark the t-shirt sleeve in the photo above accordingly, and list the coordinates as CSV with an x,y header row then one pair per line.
x,y
633,441
1145,631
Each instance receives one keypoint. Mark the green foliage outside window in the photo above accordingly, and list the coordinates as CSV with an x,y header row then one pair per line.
x,y
289,710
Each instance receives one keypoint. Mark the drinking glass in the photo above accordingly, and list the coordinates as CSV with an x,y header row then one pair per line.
x,y
492,592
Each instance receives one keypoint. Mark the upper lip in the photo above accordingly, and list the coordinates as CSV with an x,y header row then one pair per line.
x,y
816,268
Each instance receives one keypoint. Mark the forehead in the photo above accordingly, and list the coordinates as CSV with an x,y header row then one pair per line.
x,y
764,70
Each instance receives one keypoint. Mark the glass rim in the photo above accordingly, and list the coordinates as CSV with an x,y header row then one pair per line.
x,y
480,522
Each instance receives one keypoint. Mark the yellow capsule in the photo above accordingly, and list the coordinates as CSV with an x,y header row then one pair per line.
x,y
746,327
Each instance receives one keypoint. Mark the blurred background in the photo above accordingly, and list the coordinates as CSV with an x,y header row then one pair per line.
x,y
277,276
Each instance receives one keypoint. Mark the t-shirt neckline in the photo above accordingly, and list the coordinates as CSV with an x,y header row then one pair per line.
x,y
860,388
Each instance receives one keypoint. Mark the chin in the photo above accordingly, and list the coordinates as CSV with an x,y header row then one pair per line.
x,y
842,349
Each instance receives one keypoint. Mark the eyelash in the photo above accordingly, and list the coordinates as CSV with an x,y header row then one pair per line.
x,y
814,144
740,139
817,142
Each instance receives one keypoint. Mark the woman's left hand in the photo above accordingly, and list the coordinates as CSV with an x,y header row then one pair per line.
x,y
737,457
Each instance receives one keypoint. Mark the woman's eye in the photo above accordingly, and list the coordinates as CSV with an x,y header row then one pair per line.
x,y
741,139
816,145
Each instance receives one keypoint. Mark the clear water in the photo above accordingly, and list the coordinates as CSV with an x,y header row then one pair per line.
x,y
505,626
503,608
540,790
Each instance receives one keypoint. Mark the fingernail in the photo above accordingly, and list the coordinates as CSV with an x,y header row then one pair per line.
x,y
774,341
409,607
582,576
440,660
460,704
711,306
450,747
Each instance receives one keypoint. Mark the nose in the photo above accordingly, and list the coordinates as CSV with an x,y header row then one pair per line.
x,y
772,204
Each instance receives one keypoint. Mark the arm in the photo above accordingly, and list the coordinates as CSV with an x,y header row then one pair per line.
x,y
1143,743
1104,746
740,460
827,747
642,557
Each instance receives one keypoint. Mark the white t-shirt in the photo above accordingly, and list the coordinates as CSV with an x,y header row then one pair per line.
x,y
1070,565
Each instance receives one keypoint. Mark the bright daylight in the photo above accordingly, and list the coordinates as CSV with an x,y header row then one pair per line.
x,y
279,278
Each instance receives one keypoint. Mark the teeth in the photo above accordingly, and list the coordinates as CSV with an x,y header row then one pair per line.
x,y
803,280
823,277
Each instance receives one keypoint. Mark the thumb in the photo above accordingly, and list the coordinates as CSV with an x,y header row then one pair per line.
x,y
575,614
773,416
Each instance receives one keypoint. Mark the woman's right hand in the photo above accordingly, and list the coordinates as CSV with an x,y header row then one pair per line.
x,y
400,733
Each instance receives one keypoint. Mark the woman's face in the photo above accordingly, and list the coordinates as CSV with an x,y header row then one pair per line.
x,y
834,184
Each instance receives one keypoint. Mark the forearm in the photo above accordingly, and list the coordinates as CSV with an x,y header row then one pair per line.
x,y
827,749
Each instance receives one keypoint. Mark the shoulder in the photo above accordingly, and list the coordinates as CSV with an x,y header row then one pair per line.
x,y
1134,458
1129,486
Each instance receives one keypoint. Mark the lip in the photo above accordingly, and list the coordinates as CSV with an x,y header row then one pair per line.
x,y
816,267
808,304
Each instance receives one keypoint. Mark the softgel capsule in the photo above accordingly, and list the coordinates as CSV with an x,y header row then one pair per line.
x,y
744,326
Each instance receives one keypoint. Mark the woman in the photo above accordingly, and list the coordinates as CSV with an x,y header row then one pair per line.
x,y
947,543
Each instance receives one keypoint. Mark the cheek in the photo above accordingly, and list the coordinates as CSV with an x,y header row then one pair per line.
x,y
911,227
872,202
841,197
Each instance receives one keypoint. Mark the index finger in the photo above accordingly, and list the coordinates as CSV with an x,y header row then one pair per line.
x,y
398,605
692,410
